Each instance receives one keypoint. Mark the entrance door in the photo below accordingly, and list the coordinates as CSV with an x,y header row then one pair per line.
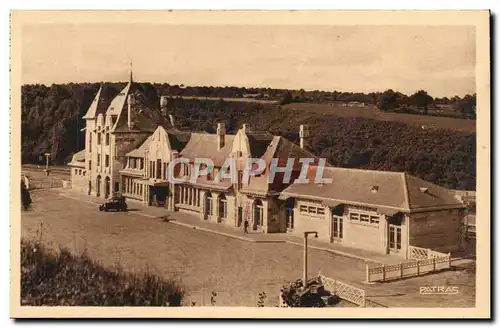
x,y
338,227
394,238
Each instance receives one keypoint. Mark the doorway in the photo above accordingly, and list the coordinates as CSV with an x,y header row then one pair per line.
x,y
338,227
394,238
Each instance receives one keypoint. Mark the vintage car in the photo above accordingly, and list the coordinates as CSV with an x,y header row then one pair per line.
x,y
116,203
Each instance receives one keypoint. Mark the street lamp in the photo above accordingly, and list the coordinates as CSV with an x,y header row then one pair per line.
x,y
47,155
306,234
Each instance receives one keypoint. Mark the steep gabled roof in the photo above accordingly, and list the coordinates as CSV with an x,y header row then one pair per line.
x,y
118,103
386,190
100,103
178,139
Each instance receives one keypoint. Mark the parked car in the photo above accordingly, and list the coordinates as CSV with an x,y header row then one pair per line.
x,y
116,203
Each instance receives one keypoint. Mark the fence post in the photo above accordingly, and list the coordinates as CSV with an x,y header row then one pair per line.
x,y
418,267
401,268
383,272
434,264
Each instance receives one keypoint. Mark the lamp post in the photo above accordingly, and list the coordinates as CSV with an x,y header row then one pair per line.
x,y
306,234
47,155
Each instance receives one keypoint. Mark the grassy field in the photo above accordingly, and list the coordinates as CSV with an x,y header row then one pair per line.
x,y
203,262
368,112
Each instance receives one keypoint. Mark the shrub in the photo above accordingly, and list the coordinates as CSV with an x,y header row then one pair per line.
x,y
64,279
294,295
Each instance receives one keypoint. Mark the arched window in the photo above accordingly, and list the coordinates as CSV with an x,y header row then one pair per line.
x,y
208,204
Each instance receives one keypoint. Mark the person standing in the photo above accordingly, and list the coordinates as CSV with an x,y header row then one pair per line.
x,y
245,226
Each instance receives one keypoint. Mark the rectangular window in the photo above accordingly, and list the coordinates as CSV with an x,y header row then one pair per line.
x,y
240,179
374,219
90,142
354,216
321,211
312,210
98,159
106,160
98,138
364,218
90,165
158,169
141,163
107,139
223,209
303,209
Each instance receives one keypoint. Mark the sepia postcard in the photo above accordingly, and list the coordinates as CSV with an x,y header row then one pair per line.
x,y
250,164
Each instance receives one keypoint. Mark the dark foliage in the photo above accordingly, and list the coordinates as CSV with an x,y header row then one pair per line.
x,y
52,118
314,295
64,279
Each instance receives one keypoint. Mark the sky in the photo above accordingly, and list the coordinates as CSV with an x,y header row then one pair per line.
x,y
362,58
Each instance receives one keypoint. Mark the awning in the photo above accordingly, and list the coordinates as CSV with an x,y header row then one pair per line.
x,y
387,211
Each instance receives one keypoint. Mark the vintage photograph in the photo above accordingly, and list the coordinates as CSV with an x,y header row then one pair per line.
x,y
287,160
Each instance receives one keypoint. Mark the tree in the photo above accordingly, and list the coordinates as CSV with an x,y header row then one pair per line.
x,y
466,106
421,99
287,98
387,100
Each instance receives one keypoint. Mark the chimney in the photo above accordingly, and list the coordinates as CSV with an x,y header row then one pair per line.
x,y
131,102
304,136
163,105
221,135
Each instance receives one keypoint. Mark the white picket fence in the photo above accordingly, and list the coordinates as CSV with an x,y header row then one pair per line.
x,y
421,261
344,291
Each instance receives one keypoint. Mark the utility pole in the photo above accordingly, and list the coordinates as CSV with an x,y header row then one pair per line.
x,y
306,234
47,155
